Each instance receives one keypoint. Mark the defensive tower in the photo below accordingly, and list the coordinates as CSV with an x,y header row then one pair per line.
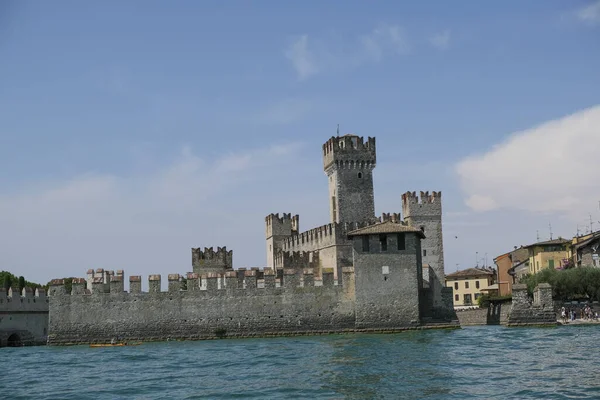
x,y
348,162
277,229
211,260
425,212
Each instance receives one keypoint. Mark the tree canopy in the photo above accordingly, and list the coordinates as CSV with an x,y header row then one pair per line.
x,y
8,280
568,284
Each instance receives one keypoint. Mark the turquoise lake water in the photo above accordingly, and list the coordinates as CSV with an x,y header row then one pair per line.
x,y
488,362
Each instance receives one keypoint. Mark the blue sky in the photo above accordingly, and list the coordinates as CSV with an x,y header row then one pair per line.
x,y
132,131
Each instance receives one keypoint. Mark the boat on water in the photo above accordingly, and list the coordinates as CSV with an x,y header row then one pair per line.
x,y
120,344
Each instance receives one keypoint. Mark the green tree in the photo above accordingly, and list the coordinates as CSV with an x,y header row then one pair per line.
x,y
21,282
568,284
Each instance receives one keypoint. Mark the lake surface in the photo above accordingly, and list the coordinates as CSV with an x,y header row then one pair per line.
x,y
488,362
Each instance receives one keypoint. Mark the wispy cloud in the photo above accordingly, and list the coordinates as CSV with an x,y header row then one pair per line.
x,y
590,14
440,40
309,58
144,223
301,57
385,39
551,168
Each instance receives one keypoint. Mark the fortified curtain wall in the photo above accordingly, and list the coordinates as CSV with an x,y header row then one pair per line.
x,y
224,306
328,242
24,314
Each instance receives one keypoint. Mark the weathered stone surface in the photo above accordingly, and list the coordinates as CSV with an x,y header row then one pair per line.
x,y
24,315
526,312
198,314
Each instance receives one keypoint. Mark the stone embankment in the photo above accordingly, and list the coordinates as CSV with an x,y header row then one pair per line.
x,y
495,314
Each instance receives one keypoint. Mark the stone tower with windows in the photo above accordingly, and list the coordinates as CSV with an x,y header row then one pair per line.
x,y
425,212
348,162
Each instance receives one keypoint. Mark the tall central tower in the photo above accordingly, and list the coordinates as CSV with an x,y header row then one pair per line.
x,y
348,162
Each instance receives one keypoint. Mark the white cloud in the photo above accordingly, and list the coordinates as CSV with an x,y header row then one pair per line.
x,y
142,223
441,40
301,57
385,38
590,14
550,168
322,55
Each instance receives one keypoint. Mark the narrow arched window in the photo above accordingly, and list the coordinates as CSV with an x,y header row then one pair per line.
x,y
360,175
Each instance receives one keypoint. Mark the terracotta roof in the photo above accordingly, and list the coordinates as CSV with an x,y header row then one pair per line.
x,y
549,242
470,272
595,236
386,227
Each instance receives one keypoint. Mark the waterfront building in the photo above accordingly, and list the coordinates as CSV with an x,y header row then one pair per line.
x,y
469,284
554,253
505,267
585,250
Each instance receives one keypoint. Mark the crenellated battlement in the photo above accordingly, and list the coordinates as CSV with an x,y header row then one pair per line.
x,y
425,204
211,260
209,253
285,225
393,217
295,276
298,260
424,198
333,232
349,151
24,300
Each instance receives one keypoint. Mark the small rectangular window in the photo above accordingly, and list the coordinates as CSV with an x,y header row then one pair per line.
x,y
456,285
466,285
365,244
456,297
401,241
476,284
424,253
383,242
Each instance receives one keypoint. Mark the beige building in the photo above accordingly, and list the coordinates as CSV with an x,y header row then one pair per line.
x,y
549,254
468,285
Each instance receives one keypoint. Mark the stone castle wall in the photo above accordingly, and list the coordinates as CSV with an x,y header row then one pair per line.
x,y
425,212
213,309
24,315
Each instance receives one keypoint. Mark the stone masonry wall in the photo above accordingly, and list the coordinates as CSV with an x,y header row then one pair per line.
x,y
525,312
425,211
388,286
237,309
493,315
24,314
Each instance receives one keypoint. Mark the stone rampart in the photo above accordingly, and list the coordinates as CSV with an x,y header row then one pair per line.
x,y
23,317
226,305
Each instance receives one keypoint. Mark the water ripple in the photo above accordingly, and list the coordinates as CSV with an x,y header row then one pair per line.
x,y
477,362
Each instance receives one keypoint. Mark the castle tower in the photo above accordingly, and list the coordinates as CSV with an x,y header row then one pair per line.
x,y
425,213
348,162
211,260
276,230
387,268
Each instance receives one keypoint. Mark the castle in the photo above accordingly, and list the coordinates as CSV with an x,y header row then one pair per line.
x,y
359,272
23,316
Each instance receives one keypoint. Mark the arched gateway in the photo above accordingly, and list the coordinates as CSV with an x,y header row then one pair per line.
x,y
14,340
